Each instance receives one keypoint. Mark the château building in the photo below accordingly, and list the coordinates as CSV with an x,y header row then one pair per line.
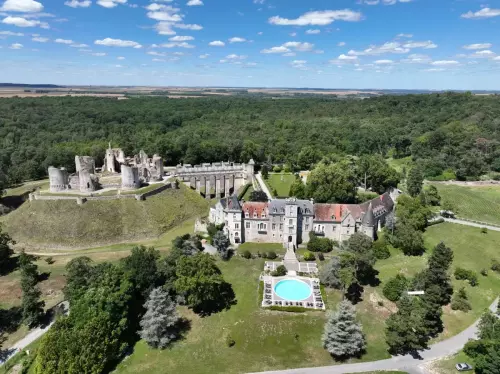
x,y
290,221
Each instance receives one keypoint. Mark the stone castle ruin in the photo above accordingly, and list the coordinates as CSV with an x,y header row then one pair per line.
x,y
222,178
134,172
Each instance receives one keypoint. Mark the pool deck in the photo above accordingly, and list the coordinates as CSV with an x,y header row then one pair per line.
x,y
314,301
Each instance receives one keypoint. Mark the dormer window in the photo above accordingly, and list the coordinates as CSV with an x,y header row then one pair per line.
x,y
275,210
254,214
247,215
263,215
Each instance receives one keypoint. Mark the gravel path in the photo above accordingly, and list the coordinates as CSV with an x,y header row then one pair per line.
x,y
263,186
459,221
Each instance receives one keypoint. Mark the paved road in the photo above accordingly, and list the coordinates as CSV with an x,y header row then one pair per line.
x,y
28,339
473,224
404,363
263,186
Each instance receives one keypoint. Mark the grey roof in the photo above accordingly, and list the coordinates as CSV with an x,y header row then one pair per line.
x,y
368,217
277,206
223,202
233,203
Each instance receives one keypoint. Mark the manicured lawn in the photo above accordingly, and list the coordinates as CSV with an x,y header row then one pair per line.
x,y
265,340
472,250
477,203
254,248
280,182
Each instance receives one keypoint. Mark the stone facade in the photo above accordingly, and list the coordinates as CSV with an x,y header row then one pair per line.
x,y
134,171
290,221
217,179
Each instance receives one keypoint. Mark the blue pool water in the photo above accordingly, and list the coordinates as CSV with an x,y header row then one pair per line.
x,y
292,290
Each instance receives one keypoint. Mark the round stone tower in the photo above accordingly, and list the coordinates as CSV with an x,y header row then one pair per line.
x,y
130,177
59,179
87,180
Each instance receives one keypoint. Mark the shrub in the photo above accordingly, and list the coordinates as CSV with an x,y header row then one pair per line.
x,y
230,341
277,169
246,254
460,301
484,272
264,255
380,303
321,257
381,250
271,255
309,256
280,271
484,230
49,260
316,244
464,274
495,265
394,288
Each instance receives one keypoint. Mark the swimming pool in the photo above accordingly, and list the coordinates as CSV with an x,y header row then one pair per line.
x,y
292,290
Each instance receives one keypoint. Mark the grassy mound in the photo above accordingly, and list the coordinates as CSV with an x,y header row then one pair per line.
x,y
56,224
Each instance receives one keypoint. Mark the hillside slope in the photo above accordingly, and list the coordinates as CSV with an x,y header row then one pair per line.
x,y
58,224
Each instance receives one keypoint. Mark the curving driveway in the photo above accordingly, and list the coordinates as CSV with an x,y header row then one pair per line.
x,y
404,363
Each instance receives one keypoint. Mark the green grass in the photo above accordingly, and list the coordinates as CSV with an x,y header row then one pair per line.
x,y
447,365
400,163
472,250
25,187
282,186
477,203
247,194
265,339
64,224
253,248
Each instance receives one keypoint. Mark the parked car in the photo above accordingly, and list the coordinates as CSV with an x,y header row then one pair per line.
x,y
447,214
463,367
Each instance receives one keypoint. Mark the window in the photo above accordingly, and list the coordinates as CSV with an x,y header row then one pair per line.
x,y
254,214
234,217
236,226
281,226
274,226
247,215
290,222
248,225
262,227
263,215
307,219
307,228
236,234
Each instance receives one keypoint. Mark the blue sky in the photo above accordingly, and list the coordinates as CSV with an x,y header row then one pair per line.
x,y
410,44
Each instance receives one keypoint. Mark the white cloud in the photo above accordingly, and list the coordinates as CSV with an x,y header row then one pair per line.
x,y
298,64
120,58
298,46
165,28
78,45
179,38
434,69
24,6
385,2
313,32
118,66
154,53
445,63
165,16
293,34
10,33
427,44
341,44
417,59
496,58
483,13
288,54
217,43
405,36
98,54
344,59
236,57
40,39
177,45
318,18
383,62
110,3
78,4
194,3
390,47
347,58
478,46
193,27
204,56
23,22
16,46
484,54
237,40
64,41
109,42
280,49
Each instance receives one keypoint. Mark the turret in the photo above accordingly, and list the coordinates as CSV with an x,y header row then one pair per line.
x,y
368,222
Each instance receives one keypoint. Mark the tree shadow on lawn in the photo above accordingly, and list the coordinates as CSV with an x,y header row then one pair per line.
x,y
10,265
226,299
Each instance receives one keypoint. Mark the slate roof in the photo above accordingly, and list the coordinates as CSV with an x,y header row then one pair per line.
x,y
368,217
277,206
233,203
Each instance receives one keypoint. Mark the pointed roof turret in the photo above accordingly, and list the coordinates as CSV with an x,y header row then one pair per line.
x,y
251,162
369,218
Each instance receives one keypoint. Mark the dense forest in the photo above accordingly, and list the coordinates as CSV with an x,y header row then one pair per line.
x,y
450,132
